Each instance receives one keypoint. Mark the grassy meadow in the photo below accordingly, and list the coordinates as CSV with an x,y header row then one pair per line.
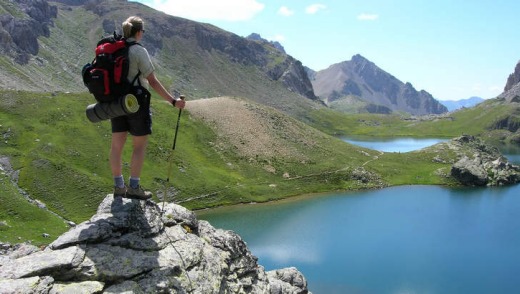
x,y
473,121
60,158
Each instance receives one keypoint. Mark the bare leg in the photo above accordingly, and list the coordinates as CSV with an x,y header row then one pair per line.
x,y
116,150
139,150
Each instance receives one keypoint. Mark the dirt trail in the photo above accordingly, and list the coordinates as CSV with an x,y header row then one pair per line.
x,y
373,158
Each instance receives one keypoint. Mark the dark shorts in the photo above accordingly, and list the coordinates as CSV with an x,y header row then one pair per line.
x,y
136,125
139,123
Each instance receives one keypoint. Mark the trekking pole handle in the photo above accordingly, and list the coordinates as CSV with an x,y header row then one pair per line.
x,y
182,97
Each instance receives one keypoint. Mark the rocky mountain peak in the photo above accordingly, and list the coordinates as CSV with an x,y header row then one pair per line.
x,y
132,246
275,44
358,59
362,78
512,89
513,78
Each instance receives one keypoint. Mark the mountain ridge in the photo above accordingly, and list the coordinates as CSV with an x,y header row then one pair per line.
x,y
512,88
362,78
197,59
257,37
458,104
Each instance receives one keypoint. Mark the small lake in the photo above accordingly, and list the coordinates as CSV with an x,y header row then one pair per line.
x,y
406,239
402,144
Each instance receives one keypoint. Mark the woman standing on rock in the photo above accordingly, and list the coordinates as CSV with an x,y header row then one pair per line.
x,y
139,125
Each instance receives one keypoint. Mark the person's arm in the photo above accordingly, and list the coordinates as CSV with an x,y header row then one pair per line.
x,y
159,88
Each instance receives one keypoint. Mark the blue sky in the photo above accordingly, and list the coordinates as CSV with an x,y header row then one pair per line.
x,y
453,49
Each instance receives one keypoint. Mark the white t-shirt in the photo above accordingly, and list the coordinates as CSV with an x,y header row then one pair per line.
x,y
139,61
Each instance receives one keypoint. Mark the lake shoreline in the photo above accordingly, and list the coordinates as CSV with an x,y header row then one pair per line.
x,y
419,144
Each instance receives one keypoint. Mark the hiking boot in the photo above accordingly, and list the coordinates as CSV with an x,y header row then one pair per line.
x,y
138,193
119,191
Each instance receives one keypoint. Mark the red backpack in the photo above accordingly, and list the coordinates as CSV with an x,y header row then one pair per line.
x,y
106,76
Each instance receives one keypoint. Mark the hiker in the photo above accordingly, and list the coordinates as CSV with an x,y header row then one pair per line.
x,y
139,125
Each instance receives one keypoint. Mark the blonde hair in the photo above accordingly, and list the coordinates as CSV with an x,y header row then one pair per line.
x,y
132,25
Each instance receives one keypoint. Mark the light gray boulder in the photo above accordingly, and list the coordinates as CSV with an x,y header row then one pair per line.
x,y
87,287
470,171
480,164
32,285
132,246
287,280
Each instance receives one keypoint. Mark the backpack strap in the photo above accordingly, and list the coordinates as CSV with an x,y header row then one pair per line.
x,y
129,44
136,78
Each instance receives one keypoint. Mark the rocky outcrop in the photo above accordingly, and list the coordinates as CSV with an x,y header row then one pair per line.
x,y
292,73
19,34
278,65
362,78
275,44
132,246
482,165
513,78
512,89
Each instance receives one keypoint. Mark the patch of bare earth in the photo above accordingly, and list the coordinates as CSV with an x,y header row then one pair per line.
x,y
250,129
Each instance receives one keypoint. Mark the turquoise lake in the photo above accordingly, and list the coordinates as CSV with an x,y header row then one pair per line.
x,y
406,239
393,144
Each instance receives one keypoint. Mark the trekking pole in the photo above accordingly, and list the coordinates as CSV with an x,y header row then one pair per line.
x,y
177,126
170,161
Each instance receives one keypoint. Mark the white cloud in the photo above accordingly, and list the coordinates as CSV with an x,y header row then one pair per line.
x,y
228,10
285,11
366,16
314,8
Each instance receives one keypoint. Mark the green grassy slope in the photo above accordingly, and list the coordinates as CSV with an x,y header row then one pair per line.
x,y
21,220
473,121
62,161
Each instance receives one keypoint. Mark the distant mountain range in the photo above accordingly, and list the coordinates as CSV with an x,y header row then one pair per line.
x,y
458,104
45,44
382,92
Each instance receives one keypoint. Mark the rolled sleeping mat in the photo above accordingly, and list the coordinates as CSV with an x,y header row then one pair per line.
x,y
100,111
